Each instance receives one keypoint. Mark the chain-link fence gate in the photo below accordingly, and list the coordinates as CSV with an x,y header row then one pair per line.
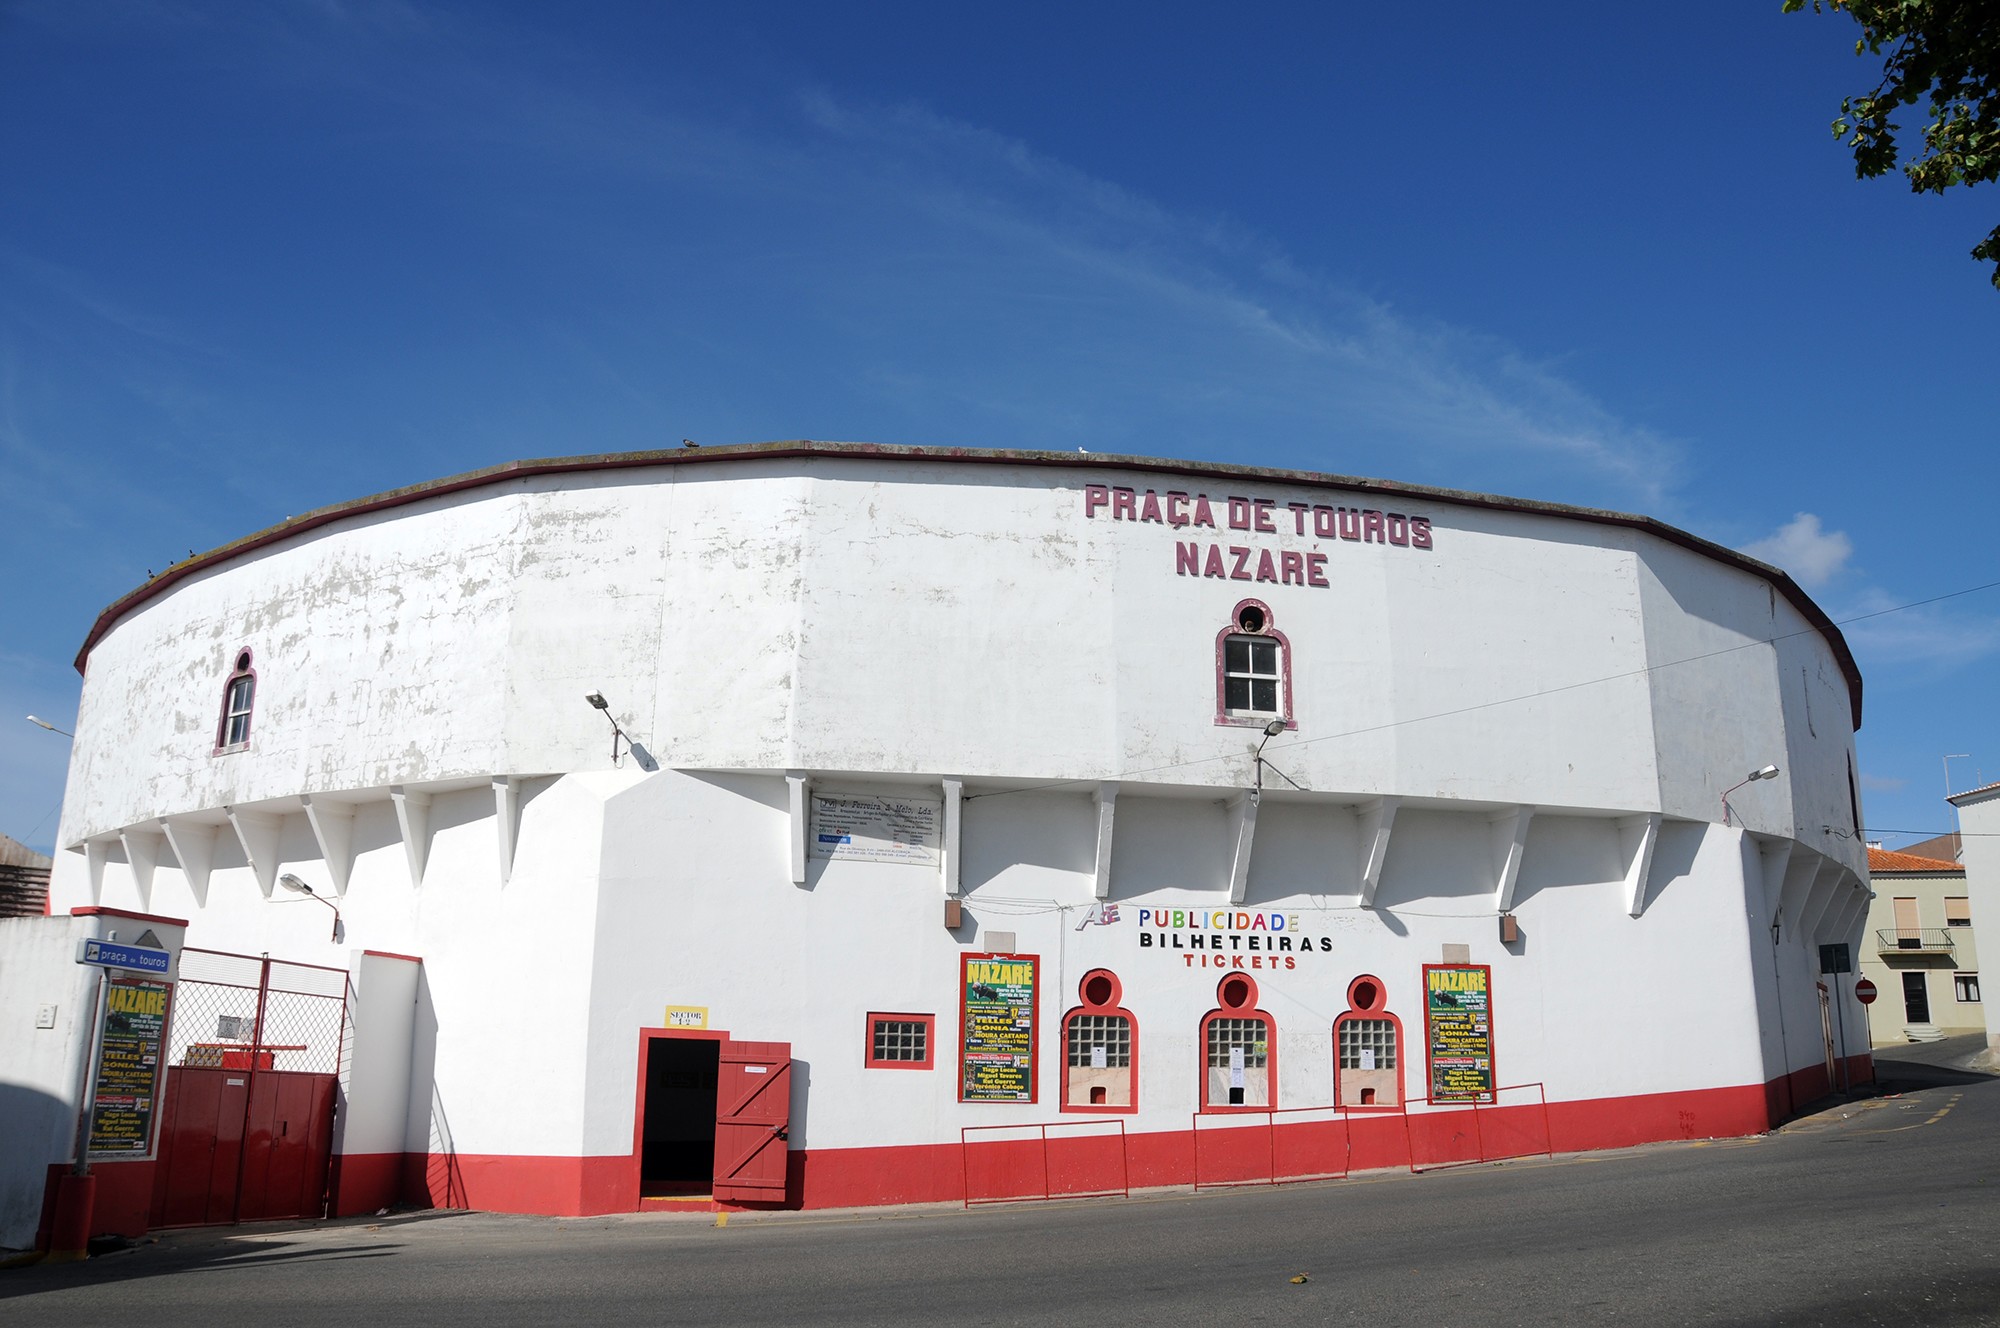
x,y
253,1064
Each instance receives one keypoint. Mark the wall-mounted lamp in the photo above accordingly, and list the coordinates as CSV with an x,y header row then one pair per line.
x,y
617,734
1271,730
38,720
298,887
1762,772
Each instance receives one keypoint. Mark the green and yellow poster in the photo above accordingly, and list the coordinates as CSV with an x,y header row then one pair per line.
x,y
128,1068
1458,1023
996,1059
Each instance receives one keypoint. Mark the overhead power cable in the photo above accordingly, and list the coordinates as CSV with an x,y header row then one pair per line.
x,y
1502,701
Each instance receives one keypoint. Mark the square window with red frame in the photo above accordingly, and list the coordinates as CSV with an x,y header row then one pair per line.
x,y
901,1041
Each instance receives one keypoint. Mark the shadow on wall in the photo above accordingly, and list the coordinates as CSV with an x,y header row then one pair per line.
x,y
36,1125
437,1180
1673,857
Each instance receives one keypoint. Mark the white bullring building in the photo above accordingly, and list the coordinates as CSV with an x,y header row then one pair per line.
x,y
830,824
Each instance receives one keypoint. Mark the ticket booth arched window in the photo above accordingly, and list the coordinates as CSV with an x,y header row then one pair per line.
x,y
1367,1048
1239,1050
1101,1046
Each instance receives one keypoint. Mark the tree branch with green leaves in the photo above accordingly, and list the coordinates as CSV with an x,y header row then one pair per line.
x,y
1949,52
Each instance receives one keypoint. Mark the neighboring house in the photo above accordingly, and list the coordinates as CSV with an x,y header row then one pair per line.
x,y
1945,846
1979,823
24,880
1918,950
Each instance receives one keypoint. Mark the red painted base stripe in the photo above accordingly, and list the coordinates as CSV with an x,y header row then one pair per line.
x,y
933,1173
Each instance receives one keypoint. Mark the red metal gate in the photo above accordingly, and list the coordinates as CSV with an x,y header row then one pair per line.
x,y
753,1113
254,1058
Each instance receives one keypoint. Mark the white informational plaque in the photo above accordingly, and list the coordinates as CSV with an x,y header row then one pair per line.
x,y
876,828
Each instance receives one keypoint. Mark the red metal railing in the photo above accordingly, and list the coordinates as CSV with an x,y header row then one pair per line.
x,y
1303,1150
1081,1166
1496,1128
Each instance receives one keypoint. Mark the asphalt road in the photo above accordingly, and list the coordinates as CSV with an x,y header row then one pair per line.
x,y
1883,1211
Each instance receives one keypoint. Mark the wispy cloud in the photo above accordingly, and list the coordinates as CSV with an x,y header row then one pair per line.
x,y
1213,307
1802,546
1933,638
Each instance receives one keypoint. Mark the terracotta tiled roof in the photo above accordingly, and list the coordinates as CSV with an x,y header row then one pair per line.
x,y
1882,860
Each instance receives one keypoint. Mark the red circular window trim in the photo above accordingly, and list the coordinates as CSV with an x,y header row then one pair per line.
x,y
1114,987
1367,995
1241,982
1236,618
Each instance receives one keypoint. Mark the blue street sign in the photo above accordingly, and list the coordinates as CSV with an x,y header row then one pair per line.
x,y
110,954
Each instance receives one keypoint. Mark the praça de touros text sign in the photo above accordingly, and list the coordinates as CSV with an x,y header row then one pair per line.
x,y
1300,534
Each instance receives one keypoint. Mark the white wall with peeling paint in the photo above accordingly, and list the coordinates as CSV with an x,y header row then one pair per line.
x,y
904,622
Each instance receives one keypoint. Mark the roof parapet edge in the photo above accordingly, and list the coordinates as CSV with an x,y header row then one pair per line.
x,y
780,449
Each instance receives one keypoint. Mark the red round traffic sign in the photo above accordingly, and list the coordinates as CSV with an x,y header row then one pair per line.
x,y
1864,991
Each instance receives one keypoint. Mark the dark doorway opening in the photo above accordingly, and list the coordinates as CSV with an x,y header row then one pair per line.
x,y
677,1138
1916,998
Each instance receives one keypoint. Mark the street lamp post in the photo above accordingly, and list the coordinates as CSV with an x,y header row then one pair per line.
x,y
1764,772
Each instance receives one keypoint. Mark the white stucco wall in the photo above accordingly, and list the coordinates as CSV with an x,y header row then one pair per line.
x,y
932,617
888,625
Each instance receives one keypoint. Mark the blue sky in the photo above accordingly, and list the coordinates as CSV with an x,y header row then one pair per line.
x,y
255,259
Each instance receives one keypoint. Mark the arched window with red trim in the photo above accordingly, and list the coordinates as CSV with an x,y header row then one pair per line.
x,y
1101,1046
1367,1048
239,698
1253,669
1239,1050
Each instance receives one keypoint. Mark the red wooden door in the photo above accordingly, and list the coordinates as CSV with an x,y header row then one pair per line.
x,y
753,1111
286,1153
281,1165
201,1146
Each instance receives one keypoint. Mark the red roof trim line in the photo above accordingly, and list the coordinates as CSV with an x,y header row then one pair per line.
x,y
391,954
806,447
92,911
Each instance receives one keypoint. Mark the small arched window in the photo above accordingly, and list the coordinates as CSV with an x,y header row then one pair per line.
x,y
239,698
1367,1045
1239,1050
1101,1041
1253,669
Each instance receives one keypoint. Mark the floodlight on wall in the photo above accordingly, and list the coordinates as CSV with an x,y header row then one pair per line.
x,y
43,723
299,887
1761,772
1271,730
597,700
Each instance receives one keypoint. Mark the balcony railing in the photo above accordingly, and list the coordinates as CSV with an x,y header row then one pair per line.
x,y
1914,940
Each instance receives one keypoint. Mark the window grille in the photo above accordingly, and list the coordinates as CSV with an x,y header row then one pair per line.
x,y
1252,1035
902,1040
1359,1035
1112,1032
